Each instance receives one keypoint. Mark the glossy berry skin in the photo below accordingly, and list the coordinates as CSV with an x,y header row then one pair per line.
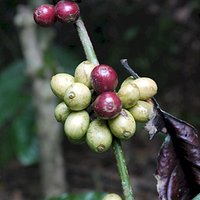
x,y
104,78
67,11
107,105
44,15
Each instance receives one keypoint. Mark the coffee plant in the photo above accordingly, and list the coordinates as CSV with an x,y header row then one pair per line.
x,y
94,112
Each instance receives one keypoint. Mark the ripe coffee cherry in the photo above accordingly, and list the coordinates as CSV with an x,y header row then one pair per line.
x,y
129,94
142,111
59,84
44,15
123,126
76,125
77,96
147,87
98,136
104,78
67,11
83,72
107,105
61,112
112,196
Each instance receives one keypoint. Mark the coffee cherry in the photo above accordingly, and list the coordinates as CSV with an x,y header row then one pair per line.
x,y
112,196
129,94
77,96
147,87
44,15
107,105
83,72
98,136
123,126
104,78
61,112
127,80
67,11
59,84
142,111
76,125
78,141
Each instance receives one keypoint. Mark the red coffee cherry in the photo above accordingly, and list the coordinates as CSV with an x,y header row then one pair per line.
x,y
44,15
67,11
107,105
104,78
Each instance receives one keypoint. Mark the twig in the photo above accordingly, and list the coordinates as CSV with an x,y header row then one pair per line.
x,y
123,172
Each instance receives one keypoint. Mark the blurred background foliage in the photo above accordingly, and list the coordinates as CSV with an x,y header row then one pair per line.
x,y
161,40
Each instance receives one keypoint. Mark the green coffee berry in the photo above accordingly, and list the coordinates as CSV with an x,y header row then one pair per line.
x,y
76,125
82,73
112,196
98,136
127,80
148,88
142,111
123,126
77,96
59,84
78,141
129,94
61,112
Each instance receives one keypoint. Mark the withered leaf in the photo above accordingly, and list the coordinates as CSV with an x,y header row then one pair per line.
x,y
178,163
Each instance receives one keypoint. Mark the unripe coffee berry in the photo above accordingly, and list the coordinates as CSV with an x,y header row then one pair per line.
x,y
129,94
148,88
107,105
61,112
44,15
112,196
104,78
76,125
98,136
142,111
77,96
67,11
83,72
123,126
127,80
59,84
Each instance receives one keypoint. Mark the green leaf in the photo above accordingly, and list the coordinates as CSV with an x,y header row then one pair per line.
x,y
197,197
92,195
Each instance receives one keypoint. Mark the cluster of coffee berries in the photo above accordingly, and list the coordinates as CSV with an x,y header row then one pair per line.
x,y
91,109
66,12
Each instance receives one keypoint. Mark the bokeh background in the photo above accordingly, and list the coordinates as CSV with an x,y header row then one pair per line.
x,y
160,39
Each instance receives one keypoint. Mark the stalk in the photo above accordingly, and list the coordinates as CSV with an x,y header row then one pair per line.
x,y
86,42
122,168
117,148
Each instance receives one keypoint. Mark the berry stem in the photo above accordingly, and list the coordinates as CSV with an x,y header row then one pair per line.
x,y
123,172
122,168
86,42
